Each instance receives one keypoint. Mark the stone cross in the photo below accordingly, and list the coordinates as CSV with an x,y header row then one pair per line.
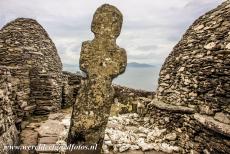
x,y
102,60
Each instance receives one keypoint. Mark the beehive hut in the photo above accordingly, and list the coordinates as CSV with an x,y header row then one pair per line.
x,y
196,73
193,96
32,59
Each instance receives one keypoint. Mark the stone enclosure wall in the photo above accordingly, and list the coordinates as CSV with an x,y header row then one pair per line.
x,y
125,99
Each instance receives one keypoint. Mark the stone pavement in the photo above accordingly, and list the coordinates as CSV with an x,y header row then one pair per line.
x,y
51,129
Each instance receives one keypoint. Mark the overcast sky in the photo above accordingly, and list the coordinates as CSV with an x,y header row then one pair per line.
x,y
150,28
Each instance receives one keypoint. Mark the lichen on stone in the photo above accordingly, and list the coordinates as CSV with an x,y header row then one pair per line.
x,y
102,60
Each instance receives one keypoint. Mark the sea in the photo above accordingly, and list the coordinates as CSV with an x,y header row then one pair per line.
x,y
143,78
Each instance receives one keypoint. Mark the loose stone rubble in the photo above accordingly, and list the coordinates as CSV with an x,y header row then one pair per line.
x,y
102,60
128,132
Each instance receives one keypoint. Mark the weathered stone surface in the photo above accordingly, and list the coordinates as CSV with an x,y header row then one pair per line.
x,y
48,140
171,137
196,73
52,129
32,59
8,130
102,60
190,133
195,79
135,133
224,118
125,99
71,86
212,124
34,86
29,137
172,108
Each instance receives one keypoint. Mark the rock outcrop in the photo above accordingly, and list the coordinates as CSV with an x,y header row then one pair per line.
x,y
102,60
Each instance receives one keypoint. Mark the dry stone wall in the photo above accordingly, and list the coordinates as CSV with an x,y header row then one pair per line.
x,y
71,86
126,99
30,76
196,73
21,81
8,130
190,135
31,56
193,97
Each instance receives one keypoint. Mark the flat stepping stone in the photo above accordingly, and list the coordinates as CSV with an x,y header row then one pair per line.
x,y
29,137
48,140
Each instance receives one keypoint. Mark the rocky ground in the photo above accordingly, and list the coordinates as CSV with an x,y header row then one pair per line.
x,y
126,133
51,129
131,133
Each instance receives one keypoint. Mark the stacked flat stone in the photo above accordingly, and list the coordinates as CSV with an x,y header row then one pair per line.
x,y
21,81
71,86
8,130
196,73
45,92
31,56
193,96
125,99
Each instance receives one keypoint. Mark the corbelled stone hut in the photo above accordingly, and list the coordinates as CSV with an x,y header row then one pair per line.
x,y
32,59
193,96
196,73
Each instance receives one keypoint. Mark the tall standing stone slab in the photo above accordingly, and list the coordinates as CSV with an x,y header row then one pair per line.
x,y
102,60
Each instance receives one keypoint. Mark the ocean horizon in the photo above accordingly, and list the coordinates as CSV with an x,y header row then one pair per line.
x,y
137,76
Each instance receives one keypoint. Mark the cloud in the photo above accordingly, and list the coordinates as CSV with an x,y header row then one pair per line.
x,y
147,47
150,28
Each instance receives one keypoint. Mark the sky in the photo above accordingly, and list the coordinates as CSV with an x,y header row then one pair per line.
x,y
150,27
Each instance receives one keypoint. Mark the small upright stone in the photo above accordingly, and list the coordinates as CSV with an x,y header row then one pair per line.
x,y
102,60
